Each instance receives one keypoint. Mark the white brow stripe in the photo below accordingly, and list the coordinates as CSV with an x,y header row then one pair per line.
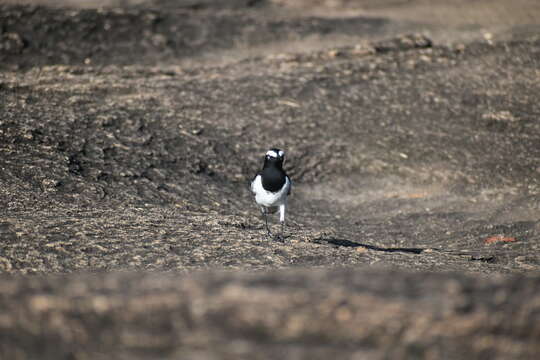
x,y
272,153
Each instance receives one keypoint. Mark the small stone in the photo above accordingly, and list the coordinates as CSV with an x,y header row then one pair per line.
x,y
335,53
499,238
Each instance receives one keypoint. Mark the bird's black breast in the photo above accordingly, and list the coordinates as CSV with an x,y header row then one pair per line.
x,y
273,179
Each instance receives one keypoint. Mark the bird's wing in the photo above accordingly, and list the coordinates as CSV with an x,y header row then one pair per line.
x,y
290,186
252,183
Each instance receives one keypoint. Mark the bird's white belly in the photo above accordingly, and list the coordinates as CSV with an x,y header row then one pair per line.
x,y
268,198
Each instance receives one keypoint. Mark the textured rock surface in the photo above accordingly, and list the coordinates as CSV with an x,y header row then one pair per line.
x,y
302,314
128,136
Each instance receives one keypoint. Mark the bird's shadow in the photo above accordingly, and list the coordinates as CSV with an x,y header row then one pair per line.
x,y
352,244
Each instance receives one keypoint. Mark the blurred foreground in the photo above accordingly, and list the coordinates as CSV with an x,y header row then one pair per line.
x,y
128,135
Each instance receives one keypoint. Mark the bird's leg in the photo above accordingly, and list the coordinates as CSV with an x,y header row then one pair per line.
x,y
263,211
281,237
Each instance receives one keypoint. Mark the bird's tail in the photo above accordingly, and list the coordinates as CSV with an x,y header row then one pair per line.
x,y
271,210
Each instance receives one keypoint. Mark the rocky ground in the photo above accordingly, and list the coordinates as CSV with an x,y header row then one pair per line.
x,y
129,131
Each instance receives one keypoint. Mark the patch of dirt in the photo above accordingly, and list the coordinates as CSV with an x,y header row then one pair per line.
x,y
305,314
129,134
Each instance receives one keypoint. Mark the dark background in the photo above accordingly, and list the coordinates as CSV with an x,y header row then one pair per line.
x,y
129,131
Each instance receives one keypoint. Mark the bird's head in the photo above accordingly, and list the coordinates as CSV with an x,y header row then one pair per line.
x,y
274,156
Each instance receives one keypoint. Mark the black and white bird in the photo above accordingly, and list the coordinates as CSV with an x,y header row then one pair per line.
x,y
271,187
